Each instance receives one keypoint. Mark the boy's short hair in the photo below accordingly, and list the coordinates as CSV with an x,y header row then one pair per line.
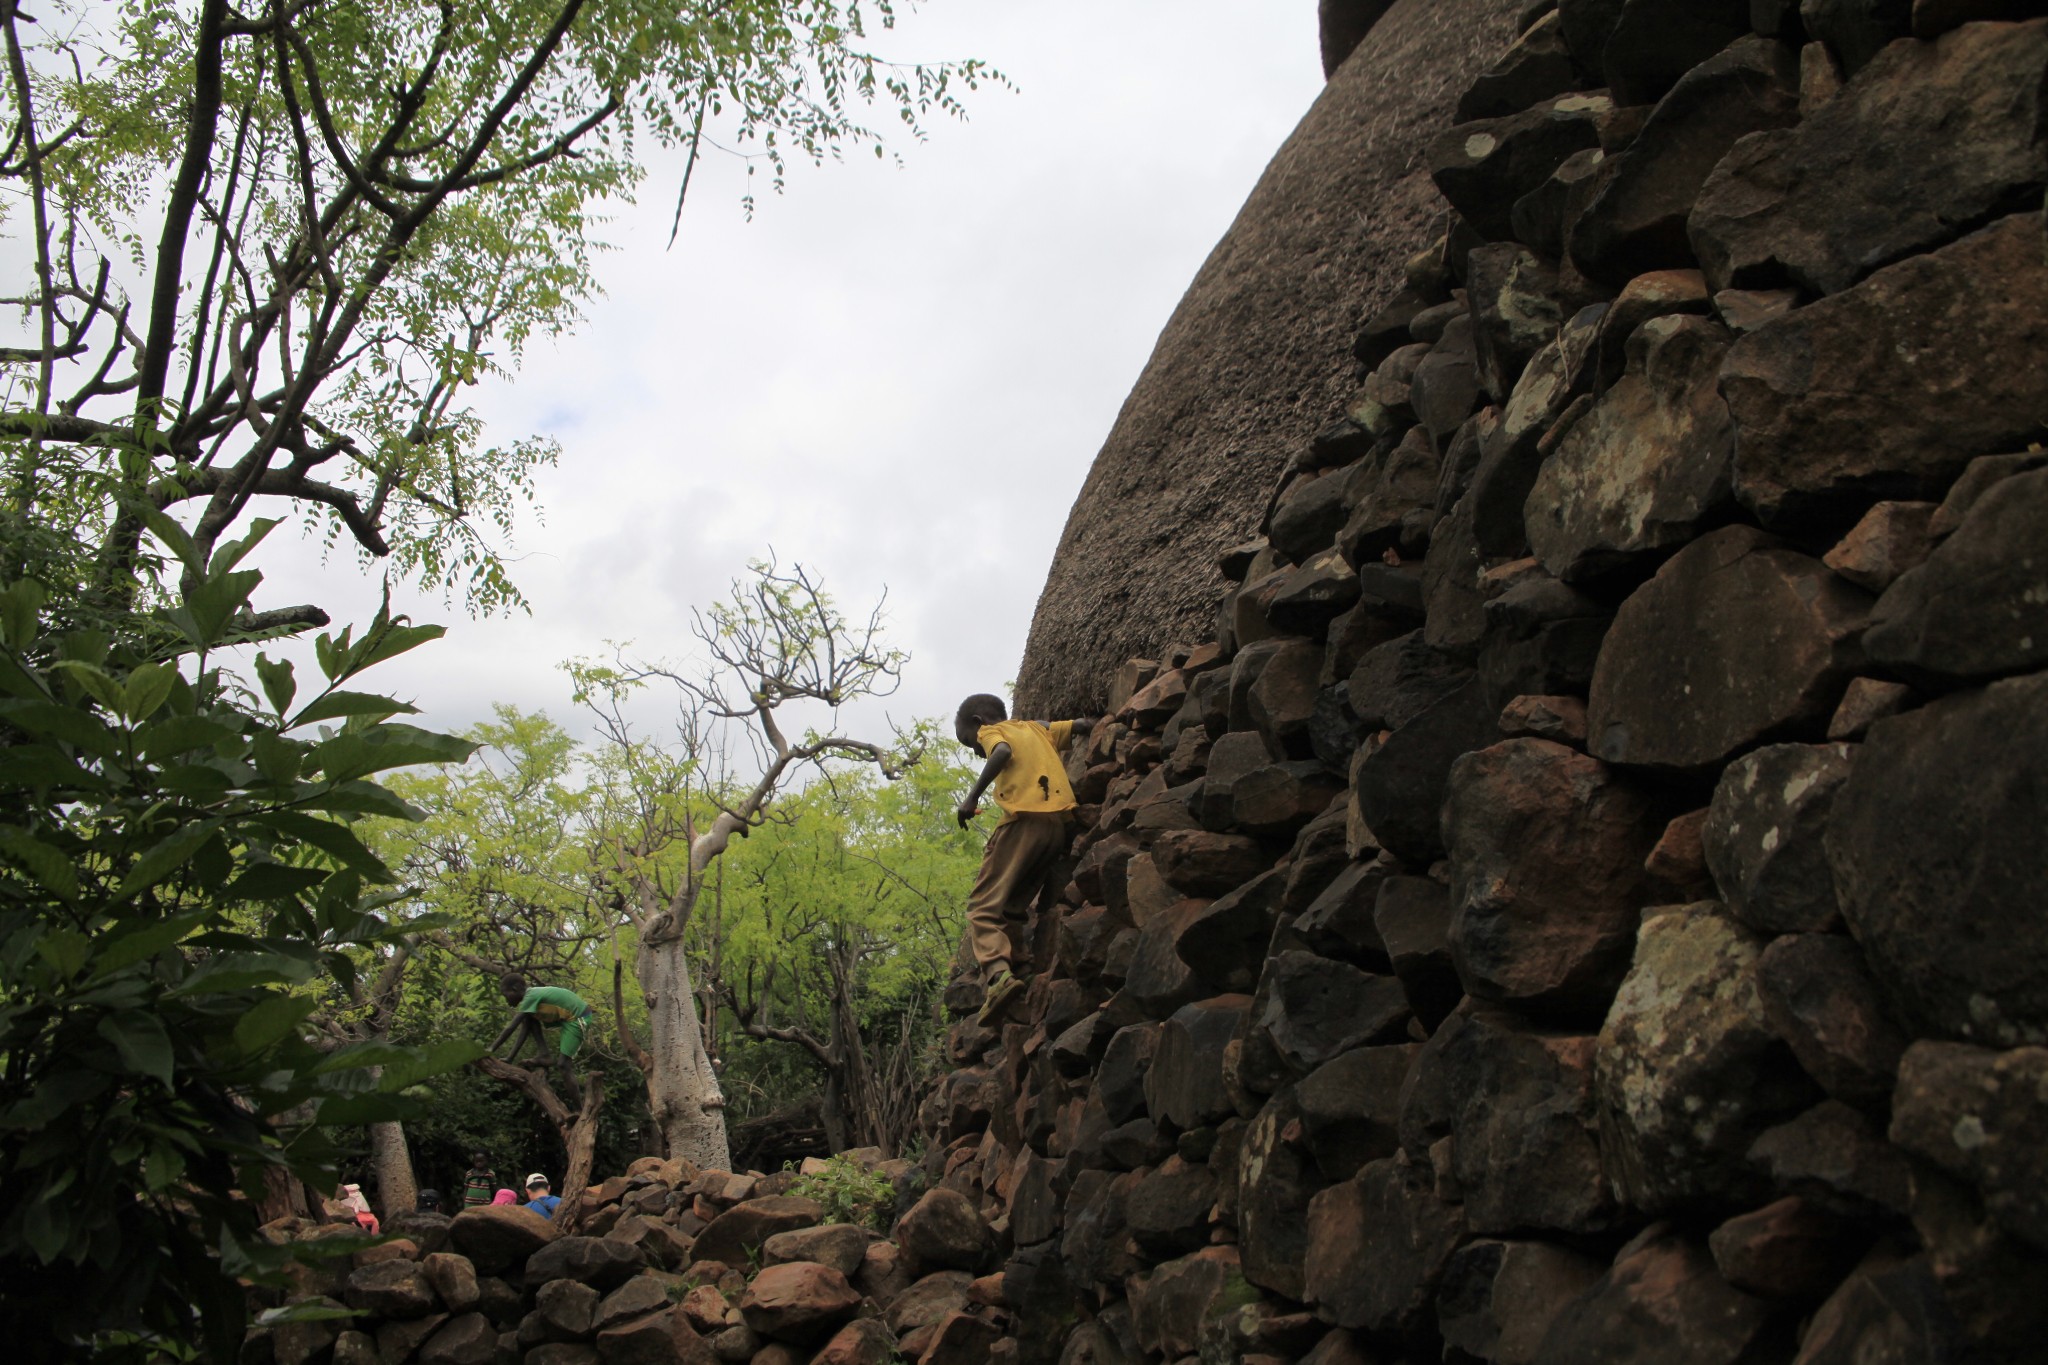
x,y
980,706
512,981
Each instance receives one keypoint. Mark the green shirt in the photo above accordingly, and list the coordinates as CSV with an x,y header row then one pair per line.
x,y
552,1004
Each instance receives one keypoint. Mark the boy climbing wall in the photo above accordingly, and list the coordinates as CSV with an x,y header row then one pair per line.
x,y
1030,783
535,1009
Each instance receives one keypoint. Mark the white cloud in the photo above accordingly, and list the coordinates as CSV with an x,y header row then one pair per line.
x,y
897,377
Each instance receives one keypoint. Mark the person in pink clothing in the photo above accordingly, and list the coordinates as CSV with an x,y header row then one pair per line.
x,y
505,1197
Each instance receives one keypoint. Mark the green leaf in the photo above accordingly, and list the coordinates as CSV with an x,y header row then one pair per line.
x,y
124,950
65,950
309,1310
69,724
214,602
272,1020
98,683
240,971
174,735
140,1038
343,1110
47,865
335,705
47,1227
225,557
170,533
44,766
147,688
278,683
423,1063
359,753
21,605
332,838
277,759
274,881
159,862
363,798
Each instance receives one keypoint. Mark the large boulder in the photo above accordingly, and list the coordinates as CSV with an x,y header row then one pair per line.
x,y
1309,1009
1765,835
1276,1180
1689,1071
1888,389
1661,1291
735,1236
1928,142
943,1231
1817,995
1522,1121
499,1237
1377,1246
798,1301
1184,1086
1186,469
1656,42
604,1263
1978,607
1350,1107
1737,640
1939,862
1982,1116
1400,784
1547,879
1648,466
1636,221
1499,1298
1170,1302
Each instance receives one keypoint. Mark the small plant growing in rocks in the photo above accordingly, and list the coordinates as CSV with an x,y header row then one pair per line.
x,y
849,1193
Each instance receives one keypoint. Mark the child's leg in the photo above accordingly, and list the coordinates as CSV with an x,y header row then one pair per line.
x,y
570,1044
1003,866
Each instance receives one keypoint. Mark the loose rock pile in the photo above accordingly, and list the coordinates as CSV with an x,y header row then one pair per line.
x,y
667,1266
1584,904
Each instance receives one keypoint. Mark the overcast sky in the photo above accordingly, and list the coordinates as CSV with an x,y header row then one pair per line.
x,y
896,376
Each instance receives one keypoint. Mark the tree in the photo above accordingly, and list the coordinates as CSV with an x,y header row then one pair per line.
x,y
269,248
667,816
501,862
177,865
837,927
273,245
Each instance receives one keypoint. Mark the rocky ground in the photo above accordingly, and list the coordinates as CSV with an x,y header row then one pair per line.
x,y
668,1265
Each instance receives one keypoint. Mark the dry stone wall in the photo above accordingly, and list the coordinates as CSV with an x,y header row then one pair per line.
x,y
1579,898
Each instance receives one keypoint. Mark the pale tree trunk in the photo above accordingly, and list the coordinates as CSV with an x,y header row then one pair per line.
x,y
397,1190
682,1089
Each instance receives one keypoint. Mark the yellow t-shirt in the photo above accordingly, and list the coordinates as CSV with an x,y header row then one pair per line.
x,y
1034,779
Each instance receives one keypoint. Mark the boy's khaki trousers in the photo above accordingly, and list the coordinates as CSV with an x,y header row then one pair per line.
x,y
1019,854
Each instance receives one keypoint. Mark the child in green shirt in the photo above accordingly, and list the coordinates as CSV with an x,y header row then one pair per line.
x,y
535,1009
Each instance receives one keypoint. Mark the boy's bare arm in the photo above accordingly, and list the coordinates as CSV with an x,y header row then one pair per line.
x,y
522,1024
998,758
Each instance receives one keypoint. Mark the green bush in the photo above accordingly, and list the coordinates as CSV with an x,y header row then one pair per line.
x,y
849,1193
178,882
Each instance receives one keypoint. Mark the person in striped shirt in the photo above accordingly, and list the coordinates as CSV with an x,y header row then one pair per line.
x,y
480,1183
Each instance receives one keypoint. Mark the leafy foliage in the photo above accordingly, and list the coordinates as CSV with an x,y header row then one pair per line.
x,y
849,1193
275,245
178,867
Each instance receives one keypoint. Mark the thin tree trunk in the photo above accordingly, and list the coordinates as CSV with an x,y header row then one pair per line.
x,y
682,1089
397,1189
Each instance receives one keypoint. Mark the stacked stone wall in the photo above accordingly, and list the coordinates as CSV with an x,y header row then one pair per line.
x,y
1584,902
